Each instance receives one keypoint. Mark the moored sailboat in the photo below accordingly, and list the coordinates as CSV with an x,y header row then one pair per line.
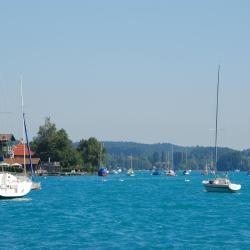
x,y
102,171
130,171
205,171
17,186
170,171
156,171
219,184
186,171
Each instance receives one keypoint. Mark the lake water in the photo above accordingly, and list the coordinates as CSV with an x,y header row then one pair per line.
x,y
122,212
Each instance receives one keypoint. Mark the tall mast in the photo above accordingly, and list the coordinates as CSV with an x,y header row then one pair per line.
x,y
23,129
172,157
131,161
27,138
216,123
100,163
186,159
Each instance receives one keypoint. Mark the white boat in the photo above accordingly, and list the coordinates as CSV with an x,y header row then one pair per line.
x,y
130,170
170,171
219,184
186,171
205,172
17,186
13,186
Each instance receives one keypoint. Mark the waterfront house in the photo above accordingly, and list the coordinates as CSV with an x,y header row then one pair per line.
x,y
13,154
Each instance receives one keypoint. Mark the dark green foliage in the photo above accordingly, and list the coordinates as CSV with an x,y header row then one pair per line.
x,y
147,155
155,158
55,145
92,152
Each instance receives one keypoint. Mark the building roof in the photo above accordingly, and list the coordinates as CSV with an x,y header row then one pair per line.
x,y
7,137
35,161
18,150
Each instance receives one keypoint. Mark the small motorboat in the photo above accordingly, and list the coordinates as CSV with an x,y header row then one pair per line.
x,y
221,185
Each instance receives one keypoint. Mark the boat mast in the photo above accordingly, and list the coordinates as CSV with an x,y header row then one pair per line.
x,y
216,122
172,157
27,139
100,160
23,129
186,159
131,161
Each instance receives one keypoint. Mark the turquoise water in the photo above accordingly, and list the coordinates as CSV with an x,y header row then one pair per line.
x,y
121,212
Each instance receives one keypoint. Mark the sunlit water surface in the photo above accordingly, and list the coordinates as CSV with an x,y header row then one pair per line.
x,y
122,212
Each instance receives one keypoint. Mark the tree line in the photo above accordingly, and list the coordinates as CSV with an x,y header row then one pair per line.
x,y
89,154
51,144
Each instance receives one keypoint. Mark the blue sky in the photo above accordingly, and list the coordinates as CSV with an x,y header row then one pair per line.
x,y
140,71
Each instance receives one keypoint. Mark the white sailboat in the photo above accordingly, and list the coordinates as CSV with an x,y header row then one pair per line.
x,y
186,171
219,184
130,170
205,171
16,186
170,171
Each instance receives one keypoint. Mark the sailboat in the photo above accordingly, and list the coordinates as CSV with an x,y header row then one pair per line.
x,y
170,171
130,170
156,171
186,171
205,171
103,171
219,184
17,186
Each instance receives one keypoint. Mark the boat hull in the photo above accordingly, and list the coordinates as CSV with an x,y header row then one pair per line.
x,y
12,186
221,188
156,173
103,172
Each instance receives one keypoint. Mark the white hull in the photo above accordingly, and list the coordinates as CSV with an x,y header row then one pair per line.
x,y
12,186
220,187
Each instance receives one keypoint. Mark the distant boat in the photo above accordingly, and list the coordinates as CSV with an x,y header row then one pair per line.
x,y
114,171
103,171
212,171
186,171
205,171
170,171
219,184
130,171
156,171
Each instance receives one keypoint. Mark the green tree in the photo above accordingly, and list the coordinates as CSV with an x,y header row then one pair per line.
x,y
92,152
55,145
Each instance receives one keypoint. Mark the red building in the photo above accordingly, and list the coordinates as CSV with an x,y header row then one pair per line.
x,y
16,157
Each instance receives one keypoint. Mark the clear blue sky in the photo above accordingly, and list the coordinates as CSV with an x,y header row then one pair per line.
x,y
140,71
